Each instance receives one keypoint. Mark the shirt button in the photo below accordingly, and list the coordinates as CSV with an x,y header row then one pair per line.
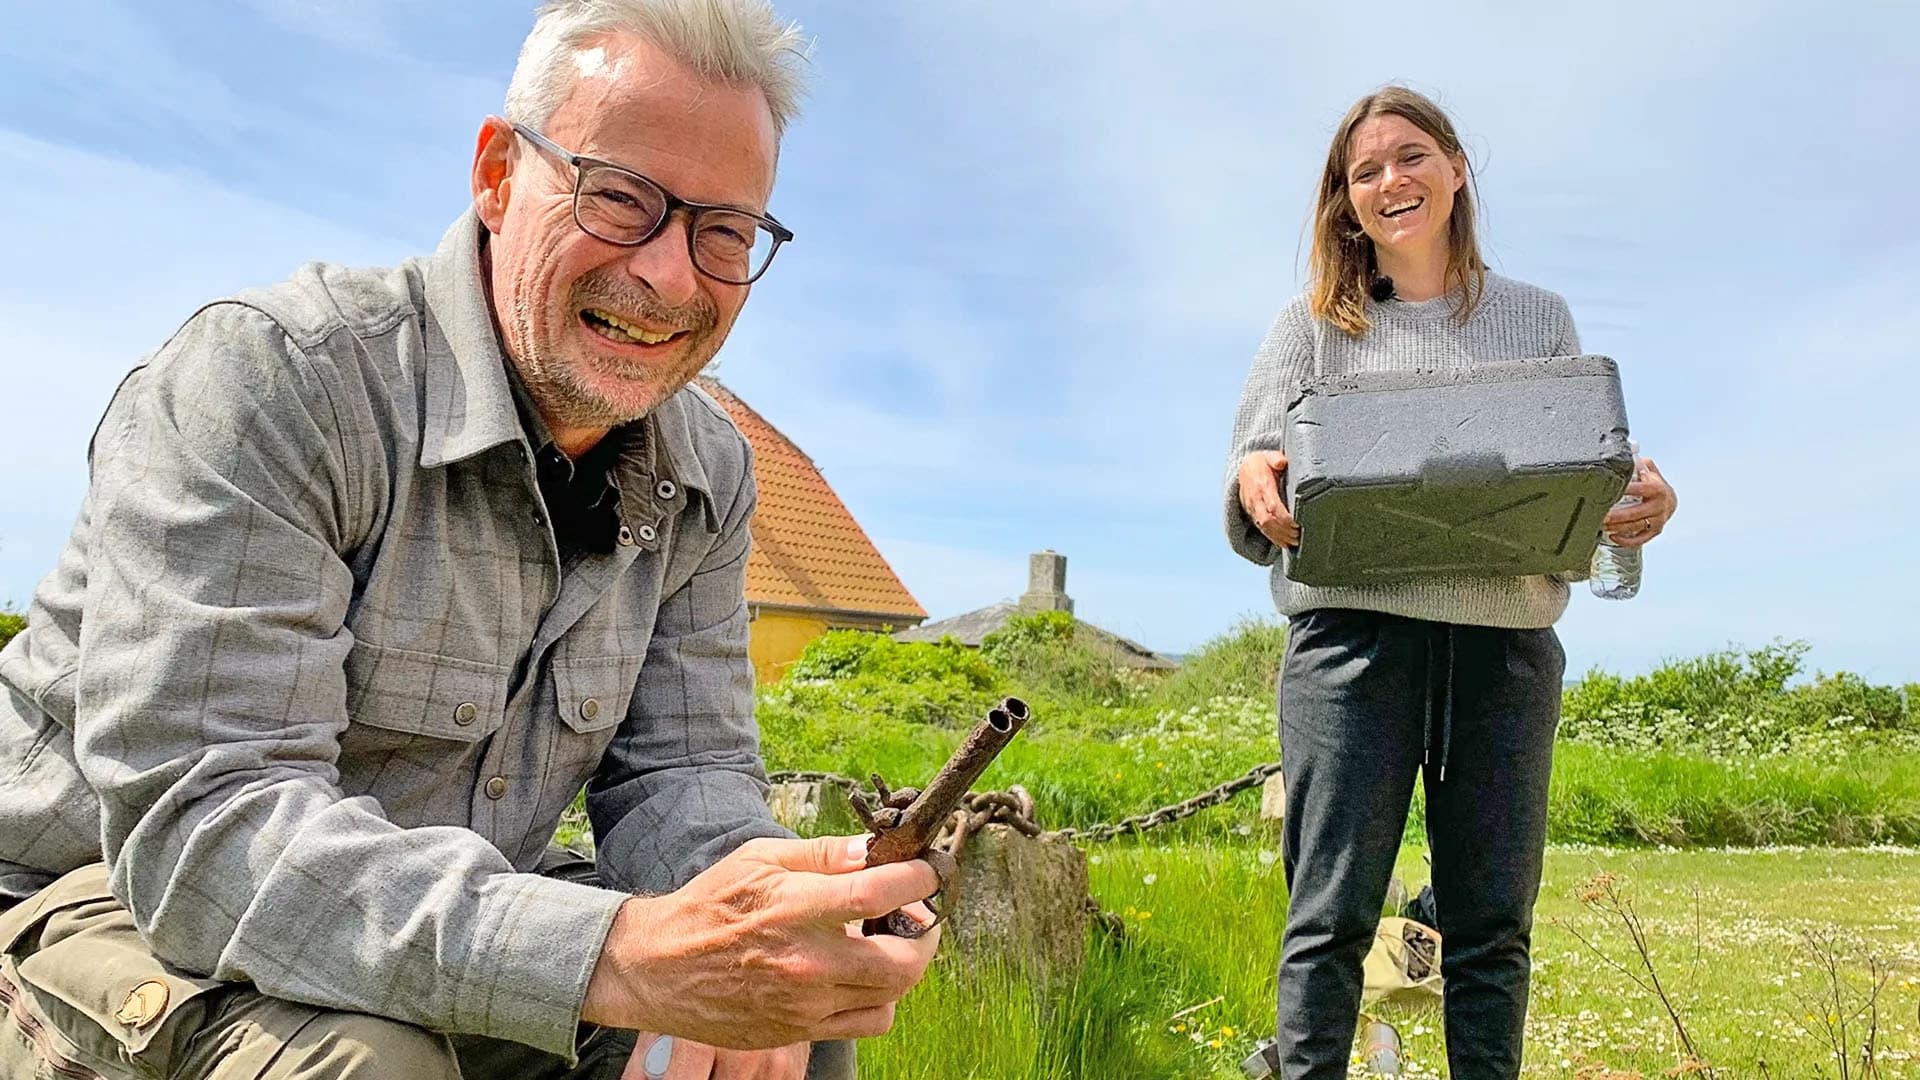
x,y
589,708
496,787
665,489
465,713
626,536
647,533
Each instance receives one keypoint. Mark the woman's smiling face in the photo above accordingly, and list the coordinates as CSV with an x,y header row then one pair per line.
x,y
1400,184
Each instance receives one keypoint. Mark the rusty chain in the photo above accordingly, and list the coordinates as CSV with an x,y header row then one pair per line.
x,y
1140,823
1015,807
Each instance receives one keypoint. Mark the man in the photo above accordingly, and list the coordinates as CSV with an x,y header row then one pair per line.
x,y
374,570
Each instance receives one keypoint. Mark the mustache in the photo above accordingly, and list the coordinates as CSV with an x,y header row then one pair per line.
x,y
624,297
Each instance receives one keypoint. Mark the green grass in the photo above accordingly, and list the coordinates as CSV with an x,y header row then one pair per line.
x,y
1082,772
1603,795
1719,751
1716,750
1204,921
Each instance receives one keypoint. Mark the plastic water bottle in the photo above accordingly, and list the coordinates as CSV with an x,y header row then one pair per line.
x,y
1615,574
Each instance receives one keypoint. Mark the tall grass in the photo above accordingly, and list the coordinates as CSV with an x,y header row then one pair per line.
x,y
1100,751
1204,920
1201,922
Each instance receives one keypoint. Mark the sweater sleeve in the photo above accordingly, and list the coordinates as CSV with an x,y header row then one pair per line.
x,y
1566,343
1283,359
1566,338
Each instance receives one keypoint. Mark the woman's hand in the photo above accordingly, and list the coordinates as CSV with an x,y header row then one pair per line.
x,y
1260,475
1632,526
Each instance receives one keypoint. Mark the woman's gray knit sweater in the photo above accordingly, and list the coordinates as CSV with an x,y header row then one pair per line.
x,y
1514,321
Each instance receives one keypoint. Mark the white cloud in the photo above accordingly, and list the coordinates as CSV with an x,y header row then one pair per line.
x,y
1166,158
94,289
358,25
1039,243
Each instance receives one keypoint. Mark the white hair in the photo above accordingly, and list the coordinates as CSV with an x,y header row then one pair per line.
x,y
734,41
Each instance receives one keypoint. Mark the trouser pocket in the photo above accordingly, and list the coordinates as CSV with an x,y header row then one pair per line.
x,y
84,990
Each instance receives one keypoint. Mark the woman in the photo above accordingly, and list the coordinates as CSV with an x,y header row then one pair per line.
x,y
1398,282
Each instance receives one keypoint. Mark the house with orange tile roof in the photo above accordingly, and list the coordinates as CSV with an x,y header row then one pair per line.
x,y
812,568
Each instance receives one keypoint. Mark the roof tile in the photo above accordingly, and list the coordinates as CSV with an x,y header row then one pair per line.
x,y
808,551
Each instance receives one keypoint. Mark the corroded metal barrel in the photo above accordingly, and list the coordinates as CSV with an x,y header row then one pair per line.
x,y
921,820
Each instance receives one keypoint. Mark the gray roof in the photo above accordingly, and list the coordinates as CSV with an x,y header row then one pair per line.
x,y
973,627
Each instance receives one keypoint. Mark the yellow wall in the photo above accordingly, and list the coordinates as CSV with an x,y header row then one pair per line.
x,y
775,639
776,636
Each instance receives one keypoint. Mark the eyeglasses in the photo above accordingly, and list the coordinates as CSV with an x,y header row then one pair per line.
x,y
623,207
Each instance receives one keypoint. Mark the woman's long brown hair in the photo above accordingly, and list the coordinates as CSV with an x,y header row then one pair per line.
x,y
1342,266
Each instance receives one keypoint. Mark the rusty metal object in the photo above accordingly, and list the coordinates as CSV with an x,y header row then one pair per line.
x,y
905,823
1219,795
1380,1049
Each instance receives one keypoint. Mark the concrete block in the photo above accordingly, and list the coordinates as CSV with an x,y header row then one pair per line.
x,y
1022,903
811,808
1273,799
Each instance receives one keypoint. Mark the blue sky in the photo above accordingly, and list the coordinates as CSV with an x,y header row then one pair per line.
x,y
1039,243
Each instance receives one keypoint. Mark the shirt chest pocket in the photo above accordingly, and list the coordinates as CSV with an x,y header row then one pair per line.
x,y
591,696
403,695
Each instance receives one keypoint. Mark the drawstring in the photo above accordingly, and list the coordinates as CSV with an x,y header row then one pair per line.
x,y
1446,707
1426,711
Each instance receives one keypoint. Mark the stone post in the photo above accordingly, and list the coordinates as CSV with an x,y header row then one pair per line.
x,y
1046,583
1022,903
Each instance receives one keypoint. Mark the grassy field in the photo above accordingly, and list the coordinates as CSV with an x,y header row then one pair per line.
x,y
1726,930
1694,772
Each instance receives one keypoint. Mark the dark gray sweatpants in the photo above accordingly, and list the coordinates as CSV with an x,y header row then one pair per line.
x,y
1368,702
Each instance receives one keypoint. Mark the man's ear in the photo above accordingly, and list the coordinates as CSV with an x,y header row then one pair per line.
x,y
493,172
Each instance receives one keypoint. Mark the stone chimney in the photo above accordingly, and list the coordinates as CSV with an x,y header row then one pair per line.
x,y
1046,583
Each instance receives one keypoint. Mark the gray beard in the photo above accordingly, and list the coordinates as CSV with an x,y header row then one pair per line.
x,y
565,397
568,401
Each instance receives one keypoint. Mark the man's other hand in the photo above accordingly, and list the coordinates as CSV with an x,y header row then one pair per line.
x,y
755,952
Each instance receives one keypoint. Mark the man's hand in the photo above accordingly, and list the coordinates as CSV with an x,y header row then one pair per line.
x,y
1631,526
755,952
1260,475
690,1060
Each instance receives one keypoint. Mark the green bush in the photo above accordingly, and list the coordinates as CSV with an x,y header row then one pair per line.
x,y
1242,663
11,623
1728,748
1732,704
1047,656
851,676
853,654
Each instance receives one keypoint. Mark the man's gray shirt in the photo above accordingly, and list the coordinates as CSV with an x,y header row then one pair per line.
x,y
312,678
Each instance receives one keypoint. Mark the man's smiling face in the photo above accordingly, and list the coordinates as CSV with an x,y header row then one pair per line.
x,y
601,333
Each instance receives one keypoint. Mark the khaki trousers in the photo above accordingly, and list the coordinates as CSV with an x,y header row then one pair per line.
x,y
82,997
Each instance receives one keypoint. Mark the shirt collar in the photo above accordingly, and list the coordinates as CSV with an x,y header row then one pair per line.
x,y
470,403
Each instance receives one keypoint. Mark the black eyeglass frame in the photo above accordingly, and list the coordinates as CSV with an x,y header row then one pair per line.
x,y
582,165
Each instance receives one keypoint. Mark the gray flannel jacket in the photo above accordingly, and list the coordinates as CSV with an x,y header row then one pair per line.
x,y
311,677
